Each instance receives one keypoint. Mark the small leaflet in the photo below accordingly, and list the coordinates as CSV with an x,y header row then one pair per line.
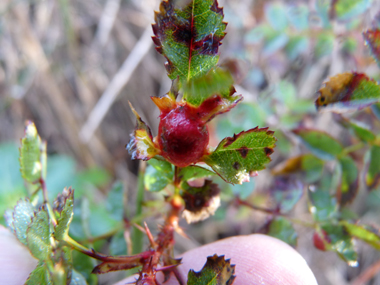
x,y
141,145
237,158
348,91
64,205
372,41
372,178
216,271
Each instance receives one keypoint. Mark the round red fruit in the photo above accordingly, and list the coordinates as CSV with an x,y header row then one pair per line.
x,y
182,136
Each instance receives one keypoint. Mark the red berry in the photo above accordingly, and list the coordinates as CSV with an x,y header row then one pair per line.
x,y
320,241
182,136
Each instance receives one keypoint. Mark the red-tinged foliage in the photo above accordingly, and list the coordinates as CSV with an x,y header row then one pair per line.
x,y
372,39
320,239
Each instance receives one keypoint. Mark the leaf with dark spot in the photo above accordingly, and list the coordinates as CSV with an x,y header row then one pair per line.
x,y
237,158
189,37
141,145
216,271
348,91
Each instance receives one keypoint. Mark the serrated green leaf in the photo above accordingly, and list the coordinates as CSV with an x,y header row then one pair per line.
x,y
341,242
349,91
65,209
30,154
348,9
364,233
158,175
21,218
38,235
216,82
349,185
323,206
372,177
216,271
189,38
282,229
39,276
115,201
320,143
238,157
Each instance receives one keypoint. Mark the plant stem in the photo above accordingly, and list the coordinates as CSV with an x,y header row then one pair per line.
x,y
137,235
353,148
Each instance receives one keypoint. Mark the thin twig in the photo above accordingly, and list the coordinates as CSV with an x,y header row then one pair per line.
x,y
117,83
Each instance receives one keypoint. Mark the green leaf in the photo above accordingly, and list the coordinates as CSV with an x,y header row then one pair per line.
x,y
341,242
216,271
349,91
118,245
324,45
276,16
30,154
348,9
323,9
320,143
363,232
39,276
141,145
286,193
84,264
189,38
77,278
360,130
372,40
216,82
372,177
282,229
323,206
20,219
115,201
194,172
376,110
349,185
238,157
64,206
296,46
38,235
274,42
298,16
158,175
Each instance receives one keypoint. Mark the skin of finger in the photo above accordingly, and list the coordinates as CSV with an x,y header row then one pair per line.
x,y
259,259
16,262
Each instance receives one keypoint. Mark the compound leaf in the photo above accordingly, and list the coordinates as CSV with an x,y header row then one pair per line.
x,y
216,271
190,37
237,158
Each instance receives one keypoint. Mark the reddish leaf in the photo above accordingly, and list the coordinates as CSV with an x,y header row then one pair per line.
x,y
190,37
141,145
216,271
347,92
372,40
